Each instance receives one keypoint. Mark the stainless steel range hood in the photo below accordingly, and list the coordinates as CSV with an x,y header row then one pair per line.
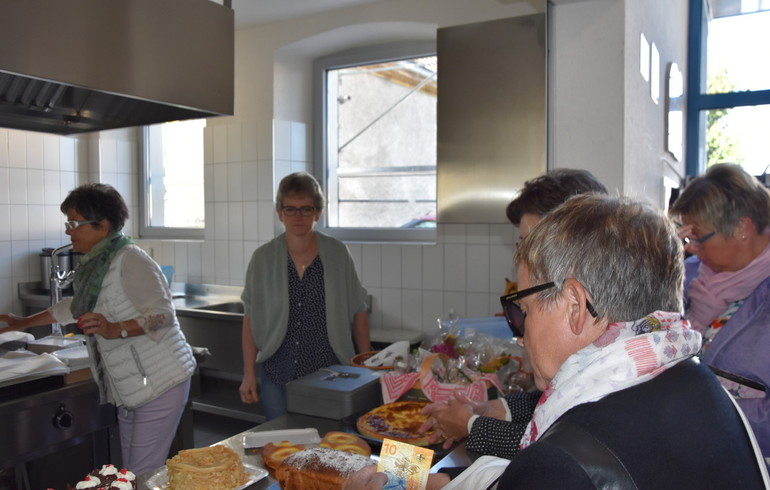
x,y
73,66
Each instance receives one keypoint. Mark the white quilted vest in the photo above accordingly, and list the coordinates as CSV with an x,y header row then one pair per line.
x,y
139,369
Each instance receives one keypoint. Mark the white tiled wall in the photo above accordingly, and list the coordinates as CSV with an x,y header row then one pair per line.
x,y
412,285
36,172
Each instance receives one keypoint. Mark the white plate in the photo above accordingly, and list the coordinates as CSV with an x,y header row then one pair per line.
x,y
76,353
294,436
158,480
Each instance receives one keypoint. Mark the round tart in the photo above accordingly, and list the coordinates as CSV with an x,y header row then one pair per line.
x,y
274,453
345,441
399,421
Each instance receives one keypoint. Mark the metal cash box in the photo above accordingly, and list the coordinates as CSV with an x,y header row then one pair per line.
x,y
334,396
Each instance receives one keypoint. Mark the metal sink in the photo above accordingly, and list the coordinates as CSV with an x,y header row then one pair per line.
x,y
207,300
231,307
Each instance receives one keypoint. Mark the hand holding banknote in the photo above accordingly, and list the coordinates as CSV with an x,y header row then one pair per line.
x,y
369,479
366,479
406,466
401,466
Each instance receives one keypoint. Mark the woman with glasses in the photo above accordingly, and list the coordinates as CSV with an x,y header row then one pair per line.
x,y
724,218
304,306
625,403
489,427
139,357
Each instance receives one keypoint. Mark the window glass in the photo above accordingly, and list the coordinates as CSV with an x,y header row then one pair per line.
x,y
739,135
727,119
173,180
379,146
738,53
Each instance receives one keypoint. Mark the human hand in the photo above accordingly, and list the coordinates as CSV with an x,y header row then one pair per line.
x,y
449,419
431,409
13,322
437,480
367,478
248,389
491,408
95,323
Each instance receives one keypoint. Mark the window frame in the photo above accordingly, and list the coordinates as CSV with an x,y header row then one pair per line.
x,y
353,57
146,231
698,101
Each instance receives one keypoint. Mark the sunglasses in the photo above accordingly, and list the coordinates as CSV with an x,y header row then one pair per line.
x,y
515,317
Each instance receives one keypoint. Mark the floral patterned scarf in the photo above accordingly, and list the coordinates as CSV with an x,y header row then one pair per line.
x,y
627,354
91,271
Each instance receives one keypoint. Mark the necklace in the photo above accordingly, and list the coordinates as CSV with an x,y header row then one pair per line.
x,y
308,254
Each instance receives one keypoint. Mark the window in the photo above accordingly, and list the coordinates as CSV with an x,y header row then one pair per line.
x,y
729,89
376,142
172,180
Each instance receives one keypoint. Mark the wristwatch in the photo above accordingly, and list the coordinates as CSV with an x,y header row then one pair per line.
x,y
123,331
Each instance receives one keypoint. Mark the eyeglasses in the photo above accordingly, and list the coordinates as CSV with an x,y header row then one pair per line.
x,y
74,224
515,316
697,241
292,211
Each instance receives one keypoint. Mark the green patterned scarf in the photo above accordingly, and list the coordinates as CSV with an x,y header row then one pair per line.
x,y
90,273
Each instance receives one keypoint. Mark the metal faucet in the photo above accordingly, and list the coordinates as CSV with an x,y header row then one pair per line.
x,y
58,280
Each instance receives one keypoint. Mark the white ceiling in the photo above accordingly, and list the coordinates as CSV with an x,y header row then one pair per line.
x,y
249,13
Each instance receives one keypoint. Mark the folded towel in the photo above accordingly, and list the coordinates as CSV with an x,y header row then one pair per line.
x,y
17,366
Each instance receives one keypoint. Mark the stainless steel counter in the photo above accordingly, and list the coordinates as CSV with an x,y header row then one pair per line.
x,y
53,432
456,457
211,316
185,296
206,301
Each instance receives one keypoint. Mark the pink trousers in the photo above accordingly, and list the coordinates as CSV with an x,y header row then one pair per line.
x,y
146,432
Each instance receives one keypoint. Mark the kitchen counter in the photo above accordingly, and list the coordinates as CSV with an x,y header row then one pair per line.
x,y
211,316
185,296
54,432
68,412
33,296
456,457
207,301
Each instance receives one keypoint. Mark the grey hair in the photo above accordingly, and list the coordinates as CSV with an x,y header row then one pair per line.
x,y
721,197
300,183
624,252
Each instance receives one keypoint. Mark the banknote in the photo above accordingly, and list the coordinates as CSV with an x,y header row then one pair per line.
x,y
406,466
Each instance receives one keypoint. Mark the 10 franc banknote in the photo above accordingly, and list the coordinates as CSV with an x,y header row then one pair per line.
x,y
406,466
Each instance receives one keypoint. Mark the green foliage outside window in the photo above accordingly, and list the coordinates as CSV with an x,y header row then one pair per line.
x,y
720,145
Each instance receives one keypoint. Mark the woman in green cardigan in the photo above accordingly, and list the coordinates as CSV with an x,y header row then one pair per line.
x,y
304,306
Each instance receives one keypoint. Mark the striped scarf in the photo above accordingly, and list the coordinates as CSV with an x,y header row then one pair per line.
x,y
627,354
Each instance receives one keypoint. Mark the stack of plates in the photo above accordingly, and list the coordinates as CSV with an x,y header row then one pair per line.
x,y
74,357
